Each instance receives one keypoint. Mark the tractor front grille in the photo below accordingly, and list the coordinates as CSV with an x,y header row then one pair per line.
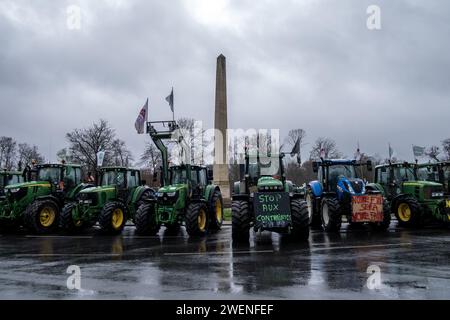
x,y
88,197
357,186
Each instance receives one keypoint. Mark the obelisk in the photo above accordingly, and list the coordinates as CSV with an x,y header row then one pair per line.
x,y
221,177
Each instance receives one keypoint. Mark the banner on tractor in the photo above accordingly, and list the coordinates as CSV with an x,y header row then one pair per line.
x,y
367,208
272,210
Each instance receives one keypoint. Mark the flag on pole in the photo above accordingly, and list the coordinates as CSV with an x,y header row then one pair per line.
x,y
391,152
139,124
357,153
418,151
100,158
169,99
322,153
296,151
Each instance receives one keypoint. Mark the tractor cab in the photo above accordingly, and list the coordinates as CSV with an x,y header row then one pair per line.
x,y
392,177
264,173
8,178
438,172
62,177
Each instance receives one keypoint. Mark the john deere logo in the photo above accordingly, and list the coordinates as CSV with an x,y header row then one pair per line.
x,y
448,203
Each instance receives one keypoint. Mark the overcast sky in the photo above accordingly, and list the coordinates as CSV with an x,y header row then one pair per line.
x,y
290,64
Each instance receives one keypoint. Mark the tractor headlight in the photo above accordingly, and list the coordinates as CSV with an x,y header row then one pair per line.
x,y
171,194
14,190
87,201
159,194
437,194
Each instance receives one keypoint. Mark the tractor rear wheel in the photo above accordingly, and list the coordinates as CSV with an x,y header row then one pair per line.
x,y
216,214
42,216
241,221
408,212
67,223
145,220
300,220
383,225
197,219
314,218
331,215
112,219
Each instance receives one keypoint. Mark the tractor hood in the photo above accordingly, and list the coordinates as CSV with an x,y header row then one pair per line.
x,y
44,184
269,184
422,183
99,189
353,186
172,188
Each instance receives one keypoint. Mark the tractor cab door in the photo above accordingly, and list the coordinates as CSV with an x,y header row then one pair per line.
x,y
198,181
132,182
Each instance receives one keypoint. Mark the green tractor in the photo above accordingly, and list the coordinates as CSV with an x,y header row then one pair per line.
x,y
37,204
7,178
265,200
187,195
111,204
413,201
437,172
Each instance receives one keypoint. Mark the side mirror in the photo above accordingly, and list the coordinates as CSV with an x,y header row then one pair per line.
x,y
315,166
369,165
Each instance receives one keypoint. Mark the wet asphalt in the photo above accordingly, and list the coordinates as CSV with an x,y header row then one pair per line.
x,y
412,264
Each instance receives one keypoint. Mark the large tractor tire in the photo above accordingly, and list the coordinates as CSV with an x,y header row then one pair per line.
x,y
300,220
42,216
241,221
216,214
330,214
113,217
145,220
313,216
67,222
408,212
146,195
384,225
196,219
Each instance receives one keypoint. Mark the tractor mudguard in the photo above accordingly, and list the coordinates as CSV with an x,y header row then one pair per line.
x,y
210,192
376,187
52,198
138,193
316,188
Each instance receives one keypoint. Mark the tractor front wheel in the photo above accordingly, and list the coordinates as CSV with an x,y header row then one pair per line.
x,y
407,212
300,220
331,215
67,222
216,214
383,225
241,221
42,216
112,218
314,218
197,219
145,220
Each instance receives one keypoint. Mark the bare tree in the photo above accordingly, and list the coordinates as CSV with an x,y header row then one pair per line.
x,y
446,147
327,146
295,135
7,152
194,137
86,143
27,153
151,157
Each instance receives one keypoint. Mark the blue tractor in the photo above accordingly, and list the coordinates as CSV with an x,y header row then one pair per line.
x,y
338,191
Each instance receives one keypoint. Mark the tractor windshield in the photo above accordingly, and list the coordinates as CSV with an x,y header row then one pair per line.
x,y
113,178
427,174
52,174
12,179
402,174
177,175
347,171
266,166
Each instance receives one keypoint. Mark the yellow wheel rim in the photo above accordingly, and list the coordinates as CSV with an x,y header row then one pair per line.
x,y
47,216
218,211
202,219
78,223
117,218
404,212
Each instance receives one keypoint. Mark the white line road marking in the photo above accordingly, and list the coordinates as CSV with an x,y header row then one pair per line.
x,y
68,255
215,253
63,237
362,247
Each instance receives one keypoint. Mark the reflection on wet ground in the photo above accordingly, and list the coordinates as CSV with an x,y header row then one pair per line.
x,y
413,264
